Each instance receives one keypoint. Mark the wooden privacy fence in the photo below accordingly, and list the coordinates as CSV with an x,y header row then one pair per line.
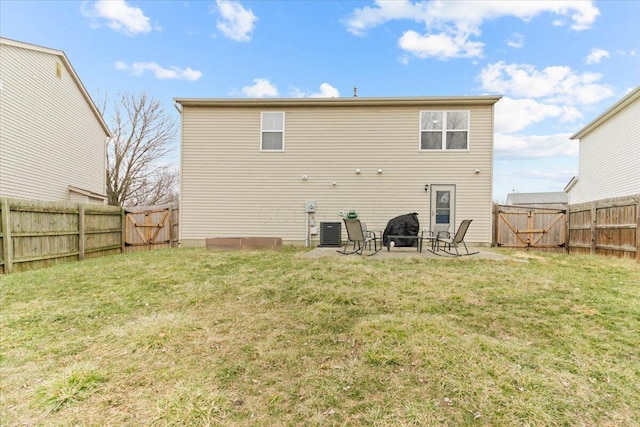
x,y
37,234
606,227
530,228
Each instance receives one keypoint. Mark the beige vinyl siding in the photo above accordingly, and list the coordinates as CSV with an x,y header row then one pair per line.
x,y
230,188
50,137
609,158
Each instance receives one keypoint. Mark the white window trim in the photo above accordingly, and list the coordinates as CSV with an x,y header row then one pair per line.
x,y
444,131
263,150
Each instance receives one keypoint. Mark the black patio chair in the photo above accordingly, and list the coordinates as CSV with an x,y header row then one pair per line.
x,y
360,237
455,242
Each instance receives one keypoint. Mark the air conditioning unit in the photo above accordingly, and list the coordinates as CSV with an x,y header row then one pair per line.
x,y
330,235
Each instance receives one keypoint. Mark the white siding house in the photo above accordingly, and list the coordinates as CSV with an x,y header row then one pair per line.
x,y
609,164
52,137
248,166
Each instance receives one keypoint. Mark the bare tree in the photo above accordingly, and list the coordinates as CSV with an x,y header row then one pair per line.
x,y
160,189
141,135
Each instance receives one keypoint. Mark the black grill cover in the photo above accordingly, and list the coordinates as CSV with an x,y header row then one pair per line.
x,y
403,225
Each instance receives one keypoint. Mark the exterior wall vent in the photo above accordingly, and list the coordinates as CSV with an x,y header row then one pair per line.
x,y
330,235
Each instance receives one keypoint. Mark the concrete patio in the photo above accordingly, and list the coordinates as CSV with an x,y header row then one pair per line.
x,y
483,253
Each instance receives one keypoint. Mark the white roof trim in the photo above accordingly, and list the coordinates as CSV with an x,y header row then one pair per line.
x,y
613,110
87,193
572,183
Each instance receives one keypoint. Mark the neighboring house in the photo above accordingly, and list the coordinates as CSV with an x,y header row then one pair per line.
x,y
52,137
609,164
550,200
248,166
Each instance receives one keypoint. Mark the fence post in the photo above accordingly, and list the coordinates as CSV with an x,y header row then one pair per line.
x,y
567,229
81,242
170,226
123,224
594,230
638,230
7,246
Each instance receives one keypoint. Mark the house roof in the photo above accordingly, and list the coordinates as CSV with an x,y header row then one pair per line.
x,y
87,193
72,72
338,102
572,183
613,110
537,198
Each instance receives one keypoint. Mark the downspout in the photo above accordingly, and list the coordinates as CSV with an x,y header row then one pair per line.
x,y
306,232
179,237
106,165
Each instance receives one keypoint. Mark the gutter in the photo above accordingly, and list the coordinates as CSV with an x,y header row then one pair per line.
x,y
338,102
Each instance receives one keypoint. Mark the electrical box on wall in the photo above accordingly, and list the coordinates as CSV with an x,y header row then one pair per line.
x,y
310,206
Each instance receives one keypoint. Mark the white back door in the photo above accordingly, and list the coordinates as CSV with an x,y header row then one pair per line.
x,y
443,206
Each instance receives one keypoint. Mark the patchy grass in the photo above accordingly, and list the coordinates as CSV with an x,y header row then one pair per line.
x,y
69,388
201,338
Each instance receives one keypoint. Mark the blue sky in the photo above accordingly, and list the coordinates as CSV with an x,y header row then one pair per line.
x,y
558,64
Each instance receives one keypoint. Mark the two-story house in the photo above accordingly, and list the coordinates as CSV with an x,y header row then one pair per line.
x,y
249,166
52,136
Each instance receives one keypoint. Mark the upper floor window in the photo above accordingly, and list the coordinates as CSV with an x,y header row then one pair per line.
x,y
272,131
444,130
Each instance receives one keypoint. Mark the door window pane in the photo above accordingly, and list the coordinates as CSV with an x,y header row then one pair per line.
x,y
443,207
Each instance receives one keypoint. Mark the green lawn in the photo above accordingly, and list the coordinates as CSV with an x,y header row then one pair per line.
x,y
195,338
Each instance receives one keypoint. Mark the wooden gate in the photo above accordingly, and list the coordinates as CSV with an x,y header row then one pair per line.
x,y
150,228
531,228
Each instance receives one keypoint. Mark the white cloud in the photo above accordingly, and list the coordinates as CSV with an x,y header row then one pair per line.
x,y
596,55
439,45
369,17
295,92
120,16
534,146
455,22
172,73
513,115
532,176
237,22
326,91
561,175
556,84
516,41
262,88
